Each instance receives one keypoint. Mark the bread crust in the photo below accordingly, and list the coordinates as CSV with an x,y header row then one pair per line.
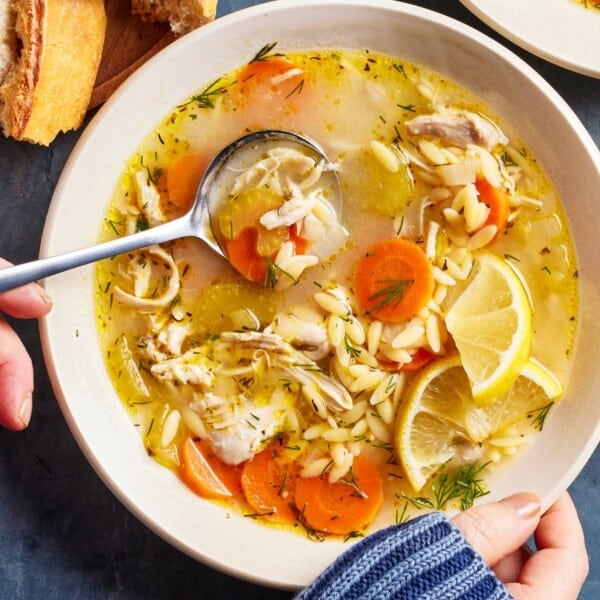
x,y
182,15
47,90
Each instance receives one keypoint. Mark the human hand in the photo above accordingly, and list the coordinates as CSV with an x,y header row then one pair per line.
x,y
498,530
16,370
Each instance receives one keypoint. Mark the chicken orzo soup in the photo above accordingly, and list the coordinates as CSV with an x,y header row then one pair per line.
x,y
345,370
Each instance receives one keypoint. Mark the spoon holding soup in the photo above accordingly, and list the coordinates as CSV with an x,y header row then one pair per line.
x,y
248,207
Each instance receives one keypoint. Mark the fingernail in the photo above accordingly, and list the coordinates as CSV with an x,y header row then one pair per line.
x,y
44,295
25,410
525,506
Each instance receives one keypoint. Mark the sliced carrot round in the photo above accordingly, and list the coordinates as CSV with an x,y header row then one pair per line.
x,y
205,474
242,254
496,198
182,181
345,506
272,80
420,357
394,280
268,93
268,485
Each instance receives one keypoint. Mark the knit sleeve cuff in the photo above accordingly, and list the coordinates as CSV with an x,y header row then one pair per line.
x,y
425,558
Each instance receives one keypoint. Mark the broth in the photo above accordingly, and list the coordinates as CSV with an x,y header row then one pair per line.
x,y
406,143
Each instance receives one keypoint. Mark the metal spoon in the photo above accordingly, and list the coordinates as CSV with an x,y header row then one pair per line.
x,y
196,223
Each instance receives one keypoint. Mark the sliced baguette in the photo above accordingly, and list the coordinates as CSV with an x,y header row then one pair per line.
x,y
50,52
182,15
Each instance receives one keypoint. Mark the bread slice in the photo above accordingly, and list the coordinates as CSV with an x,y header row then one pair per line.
x,y
50,52
182,15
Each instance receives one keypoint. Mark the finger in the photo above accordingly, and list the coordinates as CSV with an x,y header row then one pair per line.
x,y
16,380
498,529
27,302
509,568
560,566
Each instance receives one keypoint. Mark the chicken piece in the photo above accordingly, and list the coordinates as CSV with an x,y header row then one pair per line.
x,y
150,304
462,130
296,363
148,199
187,368
237,428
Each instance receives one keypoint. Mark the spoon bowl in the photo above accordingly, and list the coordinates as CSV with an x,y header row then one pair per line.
x,y
198,222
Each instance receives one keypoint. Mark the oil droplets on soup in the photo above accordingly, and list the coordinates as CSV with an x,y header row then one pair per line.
x,y
342,375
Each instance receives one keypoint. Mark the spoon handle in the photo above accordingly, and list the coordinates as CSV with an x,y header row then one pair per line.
x,y
12,277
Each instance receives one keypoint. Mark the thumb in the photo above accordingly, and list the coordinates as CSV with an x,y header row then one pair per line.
x,y
497,529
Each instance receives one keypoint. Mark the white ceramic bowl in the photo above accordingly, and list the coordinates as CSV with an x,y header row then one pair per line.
x,y
99,422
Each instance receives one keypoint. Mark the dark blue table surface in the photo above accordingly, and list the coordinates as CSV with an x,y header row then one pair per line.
x,y
62,532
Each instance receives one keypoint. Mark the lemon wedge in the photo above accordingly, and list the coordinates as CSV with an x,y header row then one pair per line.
x,y
491,324
438,420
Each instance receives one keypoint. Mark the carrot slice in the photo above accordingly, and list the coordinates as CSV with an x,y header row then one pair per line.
x,y
496,198
182,181
342,507
244,257
268,482
200,475
268,93
394,280
268,81
420,357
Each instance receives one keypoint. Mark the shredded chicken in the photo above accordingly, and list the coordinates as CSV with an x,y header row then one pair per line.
x,y
237,428
187,368
295,362
462,129
147,303
148,199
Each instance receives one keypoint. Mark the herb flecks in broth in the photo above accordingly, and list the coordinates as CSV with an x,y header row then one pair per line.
x,y
323,383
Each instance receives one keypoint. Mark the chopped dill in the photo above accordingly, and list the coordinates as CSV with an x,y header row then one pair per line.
x,y
283,484
114,225
400,69
297,89
352,350
353,535
141,224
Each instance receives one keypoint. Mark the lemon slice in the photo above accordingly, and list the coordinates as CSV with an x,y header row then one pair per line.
x,y
491,324
439,421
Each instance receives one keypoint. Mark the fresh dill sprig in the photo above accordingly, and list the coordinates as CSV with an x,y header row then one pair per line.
x,y
353,535
419,502
352,350
402,517
350,480
464,485
391,293
311,533
205,99
271,276
264,53
539,416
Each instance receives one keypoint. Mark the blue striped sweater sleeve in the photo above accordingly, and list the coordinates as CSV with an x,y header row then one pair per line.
x,y
426,558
